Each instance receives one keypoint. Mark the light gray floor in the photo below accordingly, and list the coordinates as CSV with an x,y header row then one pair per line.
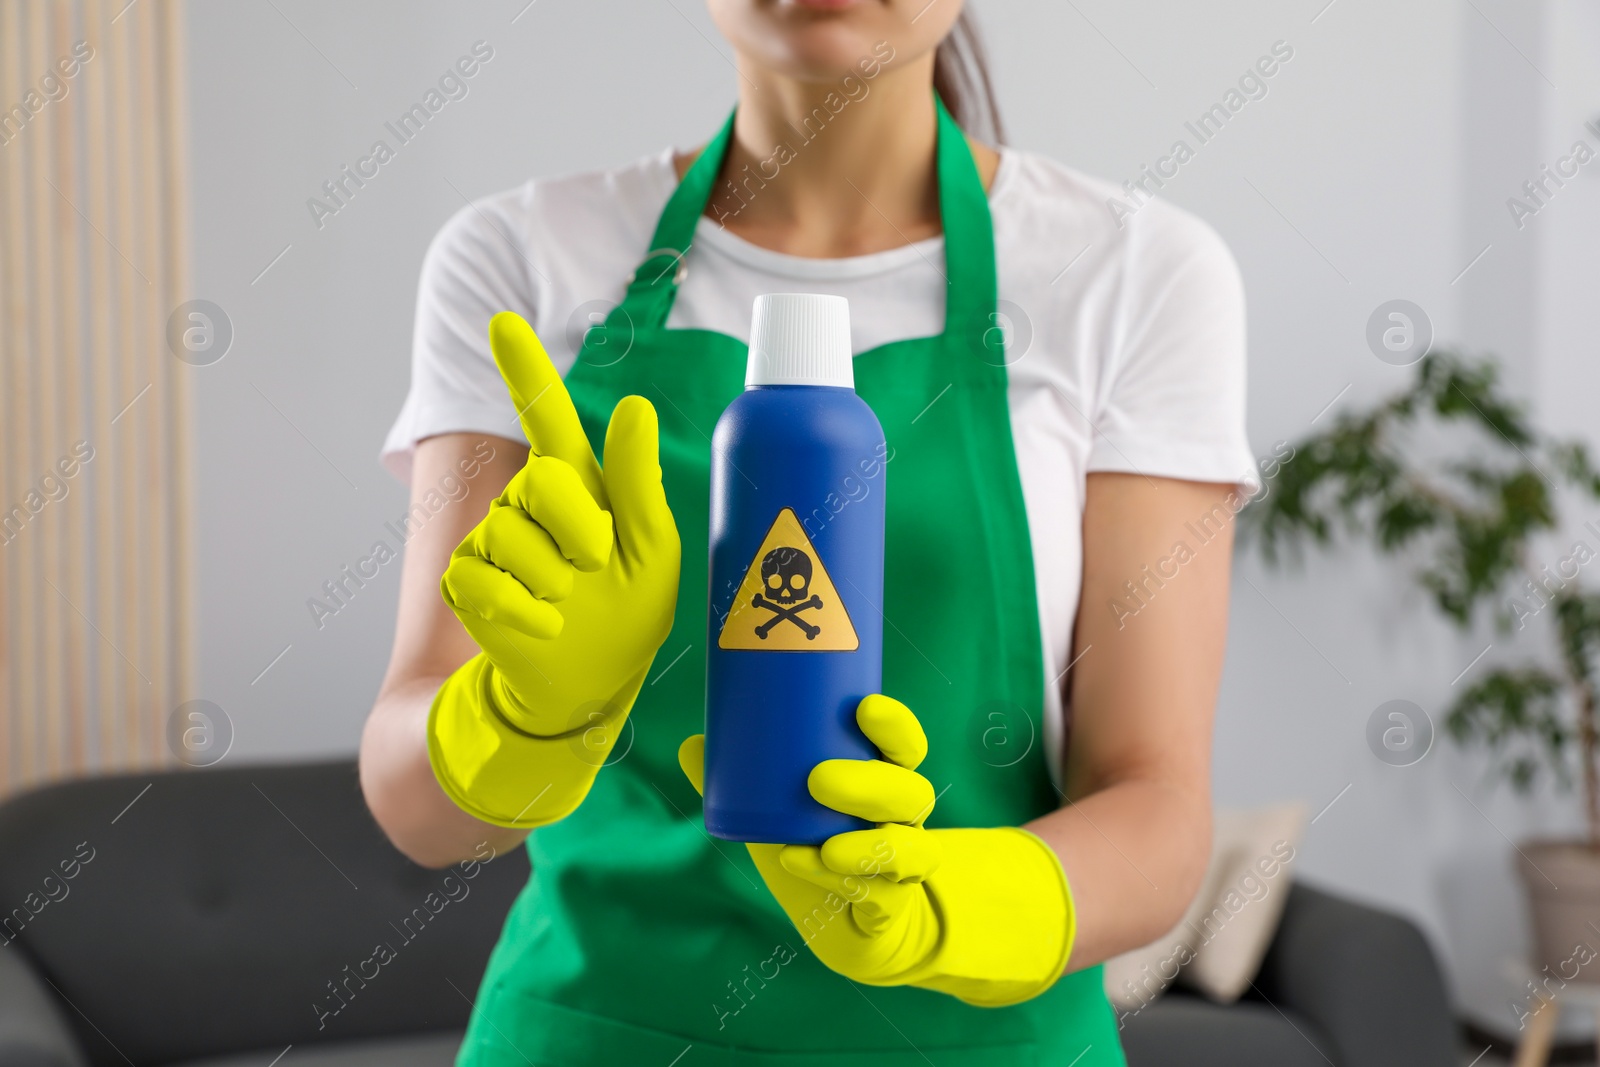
x,y
436,1050
1475,1056
440,1052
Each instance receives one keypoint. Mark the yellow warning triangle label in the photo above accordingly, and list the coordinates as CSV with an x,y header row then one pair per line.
x,y
787,602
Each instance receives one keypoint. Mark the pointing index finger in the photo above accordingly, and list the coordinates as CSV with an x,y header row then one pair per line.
x,y
544,407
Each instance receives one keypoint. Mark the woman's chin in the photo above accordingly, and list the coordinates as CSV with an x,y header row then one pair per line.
x,y
821,40
824,52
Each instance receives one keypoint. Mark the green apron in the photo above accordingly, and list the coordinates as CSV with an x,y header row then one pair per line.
x,y
640,939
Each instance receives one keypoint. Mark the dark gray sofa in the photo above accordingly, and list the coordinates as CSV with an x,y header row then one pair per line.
x,y
217,918
1342,984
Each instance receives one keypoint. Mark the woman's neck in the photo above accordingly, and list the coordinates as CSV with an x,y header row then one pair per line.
x,y
827,170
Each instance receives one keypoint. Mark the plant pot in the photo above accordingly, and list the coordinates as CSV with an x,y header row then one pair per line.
x,y
1562,880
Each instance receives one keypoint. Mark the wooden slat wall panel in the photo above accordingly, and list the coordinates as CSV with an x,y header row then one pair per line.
x,y
109,694
45,310
154,412
129,381
172,63
13,342
70,397
95,631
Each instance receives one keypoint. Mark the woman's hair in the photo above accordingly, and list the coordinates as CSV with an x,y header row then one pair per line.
x,y
961,76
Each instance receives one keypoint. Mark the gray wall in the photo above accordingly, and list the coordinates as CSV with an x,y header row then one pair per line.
x,y
1376,167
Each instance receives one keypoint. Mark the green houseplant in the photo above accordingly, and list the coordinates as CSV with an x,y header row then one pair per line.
x,y
1451,477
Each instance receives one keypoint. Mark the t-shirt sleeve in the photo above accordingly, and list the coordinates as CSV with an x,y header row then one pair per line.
x,y
474,269
1172,403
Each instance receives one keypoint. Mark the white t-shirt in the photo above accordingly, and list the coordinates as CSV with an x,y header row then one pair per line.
x,y
1132,338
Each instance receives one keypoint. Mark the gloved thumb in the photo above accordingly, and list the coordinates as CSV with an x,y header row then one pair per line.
x,y
692,758
632,471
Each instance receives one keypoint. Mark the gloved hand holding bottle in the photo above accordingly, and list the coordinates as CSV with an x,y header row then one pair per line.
x,y
568,586
985,915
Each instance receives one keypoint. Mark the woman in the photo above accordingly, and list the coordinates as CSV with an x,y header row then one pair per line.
x,y
1063,398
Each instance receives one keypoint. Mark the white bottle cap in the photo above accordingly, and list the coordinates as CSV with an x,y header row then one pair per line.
x,y
800,339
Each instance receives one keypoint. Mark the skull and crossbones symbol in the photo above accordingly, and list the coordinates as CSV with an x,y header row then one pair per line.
x,y
786,574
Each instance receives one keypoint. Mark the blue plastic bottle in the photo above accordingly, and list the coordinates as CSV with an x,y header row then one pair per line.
x,y
795,630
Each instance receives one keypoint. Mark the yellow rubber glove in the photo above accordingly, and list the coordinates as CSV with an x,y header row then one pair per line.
x,y
984,915
568,586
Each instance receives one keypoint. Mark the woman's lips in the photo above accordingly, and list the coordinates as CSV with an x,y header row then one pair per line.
x,y
822,5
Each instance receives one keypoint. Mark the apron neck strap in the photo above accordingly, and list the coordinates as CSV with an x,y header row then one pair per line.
x,y
654,283
971,291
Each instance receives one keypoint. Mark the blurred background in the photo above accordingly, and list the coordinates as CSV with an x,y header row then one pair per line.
x,y
233,471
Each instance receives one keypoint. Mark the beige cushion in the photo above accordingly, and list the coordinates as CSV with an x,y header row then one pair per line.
x,y
1218,945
